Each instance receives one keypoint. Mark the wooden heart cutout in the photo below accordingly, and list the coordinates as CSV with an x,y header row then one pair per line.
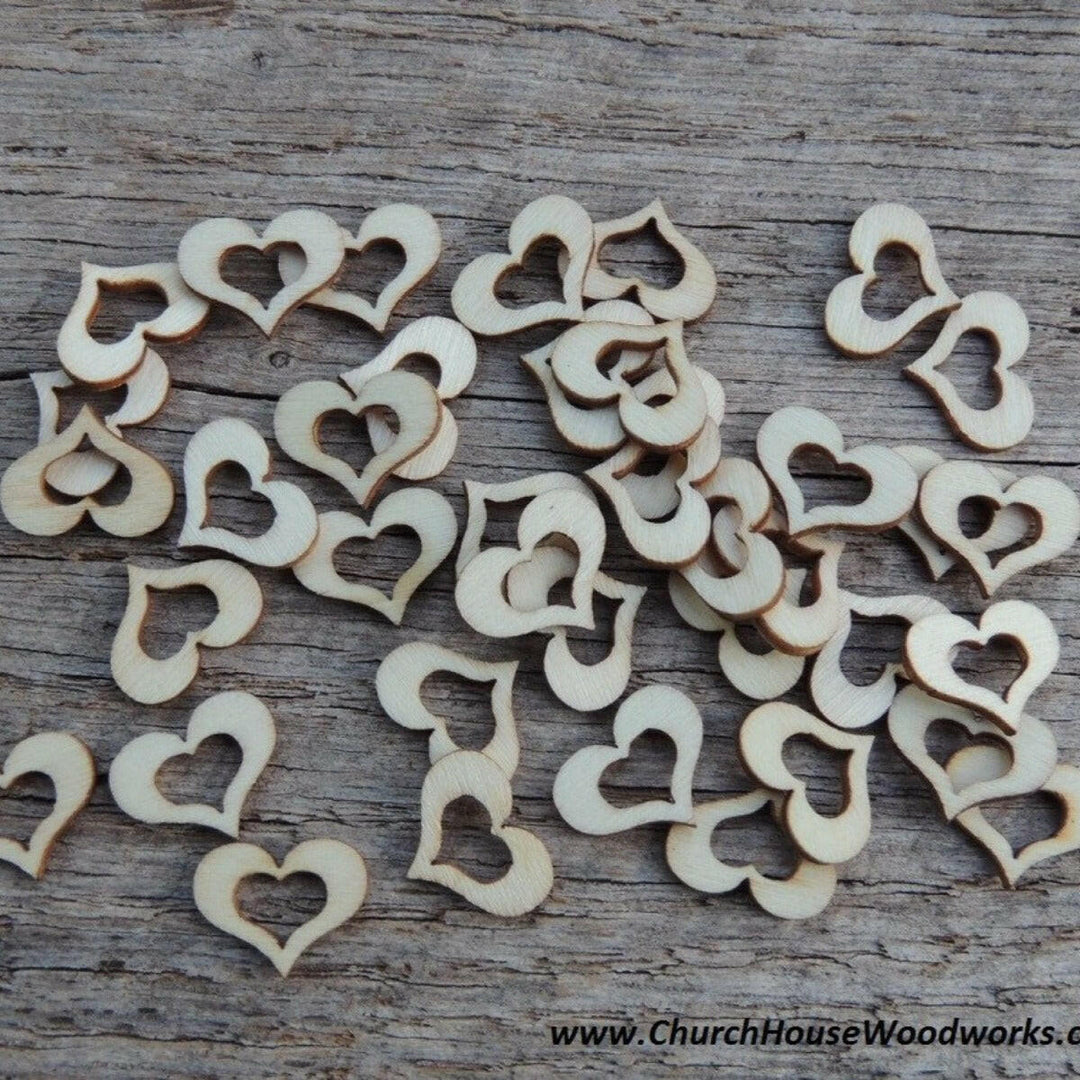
x,y
849,328
1031,753
585,687
554,217
478,495
103,365
668,425
420,510
678,540
150,680
295,522
836,697
974,764
1008,525
402,674
1053,506
931,644
219,874
577,786
893,484
793,627
412,228
28,506
761,676
528,881
480,595
688,299
597,429
133,775
68,764
1008,421
802,894
453,349
205,246
301,410
86,472
823,838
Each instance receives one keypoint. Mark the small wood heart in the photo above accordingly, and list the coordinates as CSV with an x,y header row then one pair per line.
x,y
761,676
1008,524
206,245
552,217
825,839
977,764
402,674
420,510
836,697
931,644
339,866
893,483
412,228
668,425
27,504
103,365
849,328
68,764
133,775
1008,421
478,495
301,410
688,299
480,594
585,687
529,879
295,521
1031,752
150,680
1052,506
802,894
453,349
86,472
577,786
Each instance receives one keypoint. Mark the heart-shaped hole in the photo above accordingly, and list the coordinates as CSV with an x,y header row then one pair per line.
x,y
380,561
1025,819
755,840
463,704
467,842
256,272
344,436
995,666
969,367
281,906
232,500
171,615
634,779
201,777
367,273
944,738
898,283
976,515
643,254
537,280
592,646
24,805
112,494
871,645
823,482
822,768
121,307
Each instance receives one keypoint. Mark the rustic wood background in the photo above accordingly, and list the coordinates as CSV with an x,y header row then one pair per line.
x,y
766,128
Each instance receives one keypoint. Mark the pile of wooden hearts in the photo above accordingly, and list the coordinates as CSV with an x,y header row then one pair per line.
x,y
620,388
55,485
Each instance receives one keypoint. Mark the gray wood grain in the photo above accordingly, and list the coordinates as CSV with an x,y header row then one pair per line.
x,y
766,128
